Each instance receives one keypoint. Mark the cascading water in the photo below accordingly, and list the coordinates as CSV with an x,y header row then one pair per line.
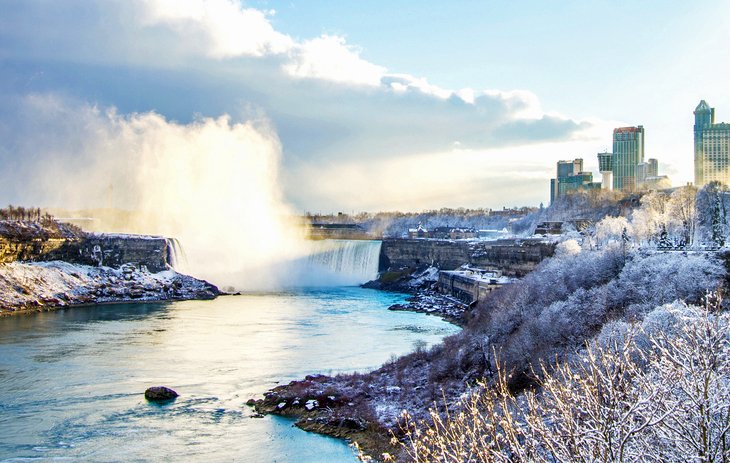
x,y
176,257
340,263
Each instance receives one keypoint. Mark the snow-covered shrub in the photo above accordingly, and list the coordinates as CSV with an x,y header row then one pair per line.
x,y
648,281
567,248
568,298
615,402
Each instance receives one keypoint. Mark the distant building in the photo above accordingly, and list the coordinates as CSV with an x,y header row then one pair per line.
x,y
570,177
443,233
605,167
568,168
645,171
712,147
628,152
549,228
462,233
419,232
653,167
470,285
440,233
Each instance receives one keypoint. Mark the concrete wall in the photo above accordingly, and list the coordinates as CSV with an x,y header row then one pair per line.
x,y
513,257
464,288
403,253
108,250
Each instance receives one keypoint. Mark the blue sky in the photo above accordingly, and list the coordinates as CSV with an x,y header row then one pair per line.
x,y
370,105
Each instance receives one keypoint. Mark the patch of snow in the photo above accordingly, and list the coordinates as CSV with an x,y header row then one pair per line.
x,y
311,404
125,236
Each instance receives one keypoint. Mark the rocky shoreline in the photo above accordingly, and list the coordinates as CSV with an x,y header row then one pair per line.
x,y
319,407
420,283
27,287
430,302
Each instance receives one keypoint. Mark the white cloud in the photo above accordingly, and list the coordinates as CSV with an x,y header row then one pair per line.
x,y
522,103
224,29
330,57
402,83
227,28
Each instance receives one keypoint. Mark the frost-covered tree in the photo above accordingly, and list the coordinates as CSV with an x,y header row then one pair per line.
x,y
567,248
711,214
650,218
636,394
683,211
611,229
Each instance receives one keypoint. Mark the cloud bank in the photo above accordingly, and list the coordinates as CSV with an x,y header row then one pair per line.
x,y
336,115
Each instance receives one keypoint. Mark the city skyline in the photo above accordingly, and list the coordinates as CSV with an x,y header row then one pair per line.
x,y
358,107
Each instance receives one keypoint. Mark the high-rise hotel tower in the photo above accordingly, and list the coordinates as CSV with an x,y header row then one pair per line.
x,y
712,147
628,152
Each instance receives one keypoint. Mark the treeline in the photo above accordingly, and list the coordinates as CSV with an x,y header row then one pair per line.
x,y
682,218
29,214
342,217
397,224
23,223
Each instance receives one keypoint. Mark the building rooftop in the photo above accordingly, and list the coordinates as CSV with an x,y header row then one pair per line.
x,y
628,129
703,106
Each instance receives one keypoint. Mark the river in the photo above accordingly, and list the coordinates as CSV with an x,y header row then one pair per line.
x,y
72,381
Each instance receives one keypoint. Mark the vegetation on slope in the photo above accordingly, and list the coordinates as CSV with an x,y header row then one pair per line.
x,y
25,224
665,247
658,391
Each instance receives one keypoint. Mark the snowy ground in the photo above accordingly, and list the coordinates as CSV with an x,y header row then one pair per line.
x,y
35,286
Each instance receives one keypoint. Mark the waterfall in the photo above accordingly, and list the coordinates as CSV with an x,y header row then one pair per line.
x,y
341,263
176,257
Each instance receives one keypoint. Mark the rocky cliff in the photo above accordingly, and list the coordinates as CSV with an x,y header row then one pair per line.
x,y
515,257
45,267
411,253
92,249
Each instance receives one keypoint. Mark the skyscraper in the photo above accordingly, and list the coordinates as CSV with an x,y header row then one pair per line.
x,y
628,152
712,147
605,166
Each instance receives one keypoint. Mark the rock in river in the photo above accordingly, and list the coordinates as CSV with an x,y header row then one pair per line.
x,y
159,394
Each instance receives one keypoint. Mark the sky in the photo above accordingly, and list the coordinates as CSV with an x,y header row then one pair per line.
x,y
349,106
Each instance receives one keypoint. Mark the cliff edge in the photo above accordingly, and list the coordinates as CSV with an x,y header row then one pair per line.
x,y
45,266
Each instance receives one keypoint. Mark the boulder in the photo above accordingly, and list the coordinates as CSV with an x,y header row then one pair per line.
x,y
356,424
160,394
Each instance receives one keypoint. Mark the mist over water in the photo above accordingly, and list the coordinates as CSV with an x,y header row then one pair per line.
x,y
213,184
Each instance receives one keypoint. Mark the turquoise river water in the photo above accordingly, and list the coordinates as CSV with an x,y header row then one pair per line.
x,y
72,381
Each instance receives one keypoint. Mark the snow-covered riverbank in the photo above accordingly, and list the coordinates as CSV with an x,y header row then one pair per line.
x,y
40,286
